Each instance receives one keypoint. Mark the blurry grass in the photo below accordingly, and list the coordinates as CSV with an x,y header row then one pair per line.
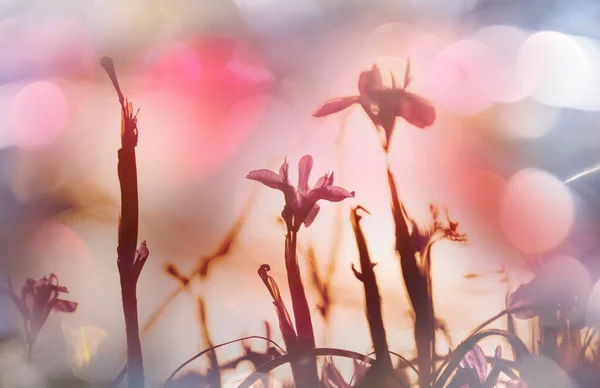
x,y
204,263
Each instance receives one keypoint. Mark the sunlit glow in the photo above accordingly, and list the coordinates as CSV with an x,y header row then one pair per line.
x,y
537,211
527,119
209,114
457,76
40,111
560,67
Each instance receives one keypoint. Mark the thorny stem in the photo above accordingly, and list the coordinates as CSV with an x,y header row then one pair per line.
x,y
304,328
372,295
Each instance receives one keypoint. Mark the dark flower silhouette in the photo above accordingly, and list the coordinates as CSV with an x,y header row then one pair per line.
x,y
301,203
383,105
39,298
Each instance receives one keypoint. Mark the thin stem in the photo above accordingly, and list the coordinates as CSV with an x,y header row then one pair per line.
x,y
128,231
458,354
289,358
212,348
304,328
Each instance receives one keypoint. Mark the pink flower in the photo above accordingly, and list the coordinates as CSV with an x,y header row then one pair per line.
x,y
382,104
301,202
474,369
558,293
38,298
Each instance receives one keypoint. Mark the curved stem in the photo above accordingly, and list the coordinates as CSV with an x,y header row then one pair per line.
x,y
216,347
458,354
289,358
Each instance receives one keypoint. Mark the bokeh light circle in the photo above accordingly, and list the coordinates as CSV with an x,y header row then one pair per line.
x,y
592,314
527,119
457,76
478,196
505,83
40,111
536,211
559,66
60,250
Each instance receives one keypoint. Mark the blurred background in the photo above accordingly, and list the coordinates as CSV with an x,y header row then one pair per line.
x,y
228,86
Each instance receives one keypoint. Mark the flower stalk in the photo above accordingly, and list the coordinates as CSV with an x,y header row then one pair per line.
x,y
130,260
300,208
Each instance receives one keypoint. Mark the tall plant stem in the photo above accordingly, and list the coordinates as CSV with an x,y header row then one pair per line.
x,y
417,287
129,269
306,336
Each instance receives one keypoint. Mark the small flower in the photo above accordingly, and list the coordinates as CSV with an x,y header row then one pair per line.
x,y
382,104
301,202
557,294
474,369
38,298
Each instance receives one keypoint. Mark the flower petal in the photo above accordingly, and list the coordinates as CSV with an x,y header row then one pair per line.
x,y
304,168
475,359
312,214
521,298
322,181
142,252
497,355
331,375
284,171
267,178
330,193
463,378
370,81
335,105
360,370
65,306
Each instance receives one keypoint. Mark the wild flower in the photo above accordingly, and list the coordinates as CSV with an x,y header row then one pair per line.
x,y
383,105
557,294
474,371
301,203
37,300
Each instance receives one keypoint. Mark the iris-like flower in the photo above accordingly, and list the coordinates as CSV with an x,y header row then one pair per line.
x,y
38,298
473,370
301,202
382,104
557,294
